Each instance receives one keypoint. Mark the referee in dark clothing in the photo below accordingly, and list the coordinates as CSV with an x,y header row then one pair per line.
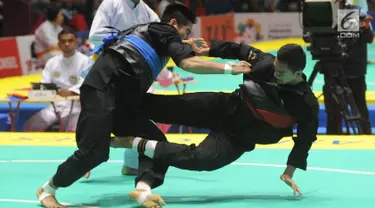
x,y
114,88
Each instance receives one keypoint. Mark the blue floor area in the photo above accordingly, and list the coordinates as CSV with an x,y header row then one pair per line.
x,y
25,112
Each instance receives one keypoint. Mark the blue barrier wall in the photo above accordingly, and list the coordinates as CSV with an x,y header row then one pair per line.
x,y
27,110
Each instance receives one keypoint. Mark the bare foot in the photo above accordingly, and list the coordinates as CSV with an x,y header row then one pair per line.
x,y
87,175
151,201
50,201
126,171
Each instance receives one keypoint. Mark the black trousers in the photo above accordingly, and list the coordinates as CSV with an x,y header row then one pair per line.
x,y
216,151
210,110
215,111
334,119
116,108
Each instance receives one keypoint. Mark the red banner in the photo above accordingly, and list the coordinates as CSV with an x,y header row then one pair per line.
x,y
220,27
9,58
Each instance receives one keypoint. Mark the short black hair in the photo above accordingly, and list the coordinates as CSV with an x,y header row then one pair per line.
x,y
292,55
52,12
180,12
65,32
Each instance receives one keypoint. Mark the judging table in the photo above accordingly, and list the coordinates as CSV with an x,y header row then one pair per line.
x,y
13,113
180,84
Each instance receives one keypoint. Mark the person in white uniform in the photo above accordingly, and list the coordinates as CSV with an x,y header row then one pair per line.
x,y
64,71
121,15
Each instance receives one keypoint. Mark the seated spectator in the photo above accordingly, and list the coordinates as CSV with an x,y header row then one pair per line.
x,y
63,70
46,36
74,18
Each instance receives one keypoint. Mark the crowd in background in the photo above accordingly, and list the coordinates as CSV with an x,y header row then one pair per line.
x,y
84,8
78,14
1,18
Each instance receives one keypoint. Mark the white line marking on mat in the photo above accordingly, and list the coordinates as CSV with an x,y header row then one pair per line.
x,y
37,202
234,163
309,168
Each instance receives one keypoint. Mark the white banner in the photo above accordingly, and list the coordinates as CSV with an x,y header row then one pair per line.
x,y
255,27
252,27
24,50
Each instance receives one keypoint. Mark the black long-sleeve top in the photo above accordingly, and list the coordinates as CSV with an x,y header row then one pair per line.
x,y
299,99
356,63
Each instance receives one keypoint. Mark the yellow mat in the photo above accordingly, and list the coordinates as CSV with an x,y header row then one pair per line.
x,y
68,139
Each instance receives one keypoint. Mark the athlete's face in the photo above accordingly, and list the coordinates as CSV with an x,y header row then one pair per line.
x,y
284,75
183,30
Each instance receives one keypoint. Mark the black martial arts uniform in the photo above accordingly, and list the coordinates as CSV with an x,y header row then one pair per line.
x,y
113,90
260,112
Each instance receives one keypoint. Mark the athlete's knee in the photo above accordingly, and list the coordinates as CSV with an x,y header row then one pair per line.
x,y
93,156
204,159
101,155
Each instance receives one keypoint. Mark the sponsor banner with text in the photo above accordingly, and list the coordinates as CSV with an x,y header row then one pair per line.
x,y
218,27
255,27
248,27
9,58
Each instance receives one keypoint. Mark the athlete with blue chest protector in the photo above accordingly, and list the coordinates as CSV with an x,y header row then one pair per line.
x,y
113,90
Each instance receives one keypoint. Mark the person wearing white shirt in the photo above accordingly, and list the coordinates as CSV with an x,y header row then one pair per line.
x,y
63,70
46,36
122,15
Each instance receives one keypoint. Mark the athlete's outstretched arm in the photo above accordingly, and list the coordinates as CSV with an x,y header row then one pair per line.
x,y
307,127
198,65
184,57
308,121
230,50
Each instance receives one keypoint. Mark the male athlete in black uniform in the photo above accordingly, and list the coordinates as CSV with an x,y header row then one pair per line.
x,y
112,92
273,98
